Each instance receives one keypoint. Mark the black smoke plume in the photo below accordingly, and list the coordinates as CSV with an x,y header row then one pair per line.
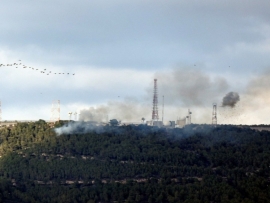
x,y
188,86
230,99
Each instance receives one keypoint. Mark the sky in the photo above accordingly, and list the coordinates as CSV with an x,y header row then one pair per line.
x,y
198,51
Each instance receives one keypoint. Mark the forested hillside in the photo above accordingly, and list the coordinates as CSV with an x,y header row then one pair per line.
x,y
199,163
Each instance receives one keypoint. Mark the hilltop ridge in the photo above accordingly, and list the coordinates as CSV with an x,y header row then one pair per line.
x,y
134,163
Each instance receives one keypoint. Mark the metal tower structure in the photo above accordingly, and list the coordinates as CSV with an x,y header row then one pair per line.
x,y
214,114
162,108
155,102
55,111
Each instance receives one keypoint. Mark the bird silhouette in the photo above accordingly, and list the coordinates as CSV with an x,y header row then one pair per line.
x,y
24,66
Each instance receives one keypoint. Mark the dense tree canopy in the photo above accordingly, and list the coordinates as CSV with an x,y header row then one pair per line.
x,y
198,163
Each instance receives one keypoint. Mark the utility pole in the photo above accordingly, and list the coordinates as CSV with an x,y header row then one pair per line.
x,y
214,115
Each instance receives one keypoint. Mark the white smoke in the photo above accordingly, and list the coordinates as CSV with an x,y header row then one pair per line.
x,y
185,88
79,128
129,110
182,88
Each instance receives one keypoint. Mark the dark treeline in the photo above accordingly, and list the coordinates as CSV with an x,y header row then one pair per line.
x,y
199,163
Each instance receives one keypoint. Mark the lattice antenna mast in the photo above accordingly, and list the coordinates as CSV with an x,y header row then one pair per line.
x,y
0,112
155,102
214,115
55,111
162,108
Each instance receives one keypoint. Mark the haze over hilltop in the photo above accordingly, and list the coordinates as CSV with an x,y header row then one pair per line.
x,y
198,51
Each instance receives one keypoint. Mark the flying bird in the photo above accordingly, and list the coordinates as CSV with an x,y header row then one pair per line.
x,y
24,66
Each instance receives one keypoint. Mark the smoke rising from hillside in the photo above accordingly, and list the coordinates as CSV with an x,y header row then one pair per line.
x,y
92,114
190,87
230,99
126,110
254,106
78,128
256,99
185,88
258,87
182,88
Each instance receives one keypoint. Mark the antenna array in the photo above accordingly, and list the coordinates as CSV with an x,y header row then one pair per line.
x,y
155,102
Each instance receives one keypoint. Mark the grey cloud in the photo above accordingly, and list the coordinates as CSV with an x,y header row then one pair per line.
x,y
259,85
135,34
143,35
190,87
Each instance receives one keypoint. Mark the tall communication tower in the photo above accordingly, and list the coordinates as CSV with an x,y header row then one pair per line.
x,y
214,114
162,108
155,102
55,111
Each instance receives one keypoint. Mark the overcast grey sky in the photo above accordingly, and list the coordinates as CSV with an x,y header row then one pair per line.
x,y
116,48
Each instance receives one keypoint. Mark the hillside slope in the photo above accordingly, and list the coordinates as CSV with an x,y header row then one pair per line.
x,y
134,164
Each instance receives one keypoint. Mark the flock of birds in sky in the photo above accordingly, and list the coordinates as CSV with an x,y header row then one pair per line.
x,y
226,113
42,71
233,115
